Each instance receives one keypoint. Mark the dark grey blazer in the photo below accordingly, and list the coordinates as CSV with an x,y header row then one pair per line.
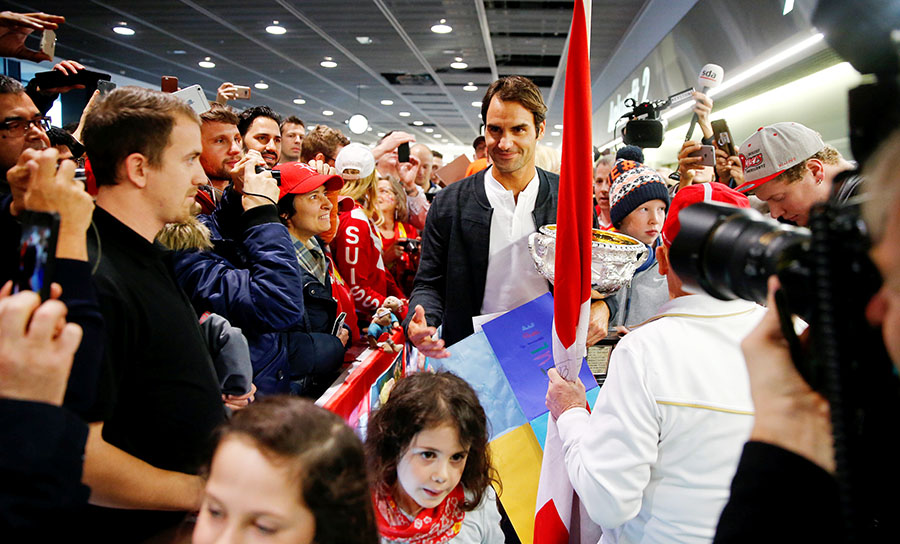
x,y
455,248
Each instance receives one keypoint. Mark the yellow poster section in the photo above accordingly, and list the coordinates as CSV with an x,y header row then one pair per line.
x,y
517,457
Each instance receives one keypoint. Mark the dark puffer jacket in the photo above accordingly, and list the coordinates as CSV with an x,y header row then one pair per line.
x,y
252,278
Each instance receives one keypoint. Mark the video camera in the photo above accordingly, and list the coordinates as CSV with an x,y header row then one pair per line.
x,y
644,127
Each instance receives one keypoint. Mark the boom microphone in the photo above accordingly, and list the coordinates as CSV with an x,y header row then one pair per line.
x,y
710,76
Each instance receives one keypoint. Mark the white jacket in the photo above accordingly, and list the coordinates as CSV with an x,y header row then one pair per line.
x,y
655,459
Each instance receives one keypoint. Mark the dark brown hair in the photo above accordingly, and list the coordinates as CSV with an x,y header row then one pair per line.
x,y
130,120
218,113
422,401
326,457
322,139
292,119
516,89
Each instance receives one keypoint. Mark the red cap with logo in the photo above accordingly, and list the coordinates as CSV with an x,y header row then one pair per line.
x,y
299,178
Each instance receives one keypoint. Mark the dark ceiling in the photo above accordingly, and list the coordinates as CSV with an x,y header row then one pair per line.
x,y
405,61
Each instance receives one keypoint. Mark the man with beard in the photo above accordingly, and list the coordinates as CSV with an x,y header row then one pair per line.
x,y
260,128
221,151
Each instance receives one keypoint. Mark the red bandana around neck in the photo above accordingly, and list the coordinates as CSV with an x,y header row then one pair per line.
x,y
431,526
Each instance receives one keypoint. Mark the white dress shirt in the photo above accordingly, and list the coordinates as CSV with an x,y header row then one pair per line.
x,y
512,278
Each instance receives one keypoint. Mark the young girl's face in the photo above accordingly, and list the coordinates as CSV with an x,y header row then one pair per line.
x,y
429,469
249,499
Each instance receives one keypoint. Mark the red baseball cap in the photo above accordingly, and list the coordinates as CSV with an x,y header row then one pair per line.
x,y
299,178
692,194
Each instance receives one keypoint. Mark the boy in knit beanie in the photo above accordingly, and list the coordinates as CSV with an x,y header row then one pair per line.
x,y
638,201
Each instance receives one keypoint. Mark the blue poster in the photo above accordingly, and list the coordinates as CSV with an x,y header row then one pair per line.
x,y
522,342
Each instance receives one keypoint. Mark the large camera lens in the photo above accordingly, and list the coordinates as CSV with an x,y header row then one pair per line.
x,y
730,252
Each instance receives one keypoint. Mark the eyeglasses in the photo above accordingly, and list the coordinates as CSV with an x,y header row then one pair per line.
x,y
17,127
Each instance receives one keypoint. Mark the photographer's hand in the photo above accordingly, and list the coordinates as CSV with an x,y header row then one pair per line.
x,y
15,27
789,414
259,189
226,92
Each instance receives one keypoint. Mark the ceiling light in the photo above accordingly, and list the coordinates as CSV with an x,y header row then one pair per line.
x,y
554,133
261,85
458,64
442,27
275,28
299,101
123,29
429,129
439,136
358,123
207,63
387,102
364,40
404,114
418,123
476,104
328,63
558,127
470,87
381,134
177,52
327,113
549,143
369,129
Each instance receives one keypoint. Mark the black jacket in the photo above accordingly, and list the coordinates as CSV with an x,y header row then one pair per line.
x,y
455,249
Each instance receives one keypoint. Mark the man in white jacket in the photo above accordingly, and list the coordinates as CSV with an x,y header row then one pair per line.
x,y
655,459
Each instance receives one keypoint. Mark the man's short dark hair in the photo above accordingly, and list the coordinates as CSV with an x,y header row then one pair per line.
x,y
293,120
59,137
130,120
250,114
516,89
218,113
479,140
322,139
9,85
437,154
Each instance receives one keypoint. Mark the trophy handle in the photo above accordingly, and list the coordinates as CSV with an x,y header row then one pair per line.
x,y
642,256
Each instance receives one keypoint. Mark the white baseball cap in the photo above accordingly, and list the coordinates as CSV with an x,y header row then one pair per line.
x,y
771,150
355,156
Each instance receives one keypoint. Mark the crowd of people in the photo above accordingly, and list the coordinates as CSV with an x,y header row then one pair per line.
x,y
213,274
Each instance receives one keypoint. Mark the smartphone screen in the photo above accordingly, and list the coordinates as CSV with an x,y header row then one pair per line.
x,y
37,252
403,152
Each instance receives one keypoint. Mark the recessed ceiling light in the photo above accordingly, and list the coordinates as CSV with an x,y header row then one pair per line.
x,y
442,27
327,113
476,104
387,102
358,123
177,52
364,40
429,129
299,101
261,85
404,114
554,133
328,63
550,144
458,64
123,29
207,63
369,129
558,127
275,28
438,136
418,123
381,134
470,87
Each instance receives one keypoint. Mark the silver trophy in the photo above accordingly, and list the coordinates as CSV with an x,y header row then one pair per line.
x,y
614,257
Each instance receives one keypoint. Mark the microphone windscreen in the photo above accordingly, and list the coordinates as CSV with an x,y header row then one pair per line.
x,y
710,76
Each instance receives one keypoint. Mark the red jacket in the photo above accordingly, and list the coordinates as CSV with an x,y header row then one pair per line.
x,y
357,253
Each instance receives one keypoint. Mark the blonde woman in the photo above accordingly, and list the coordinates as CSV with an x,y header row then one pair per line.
x,y
357,244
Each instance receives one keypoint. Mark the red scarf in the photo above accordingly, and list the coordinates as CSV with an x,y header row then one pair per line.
x,y
431,526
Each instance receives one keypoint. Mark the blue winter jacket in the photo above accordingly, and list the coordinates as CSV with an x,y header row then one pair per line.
x,y
252,278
